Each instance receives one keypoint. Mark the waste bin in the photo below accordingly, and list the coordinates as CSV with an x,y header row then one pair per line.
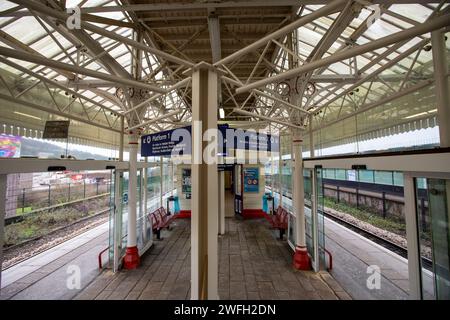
x,y
170,199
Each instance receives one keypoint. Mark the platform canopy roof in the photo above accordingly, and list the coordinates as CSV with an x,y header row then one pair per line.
x,y
339,68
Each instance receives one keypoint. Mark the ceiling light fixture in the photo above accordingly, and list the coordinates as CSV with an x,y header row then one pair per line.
x,y
27,115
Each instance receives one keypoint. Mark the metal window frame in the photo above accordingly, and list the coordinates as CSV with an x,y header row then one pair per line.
x,y
419,165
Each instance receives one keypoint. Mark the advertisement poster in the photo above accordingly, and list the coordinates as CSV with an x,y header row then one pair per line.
x,y
251,179
186,184
10,146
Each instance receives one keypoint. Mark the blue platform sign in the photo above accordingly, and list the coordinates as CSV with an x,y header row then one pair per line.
x,y
165,143
251,179
179,141
251,140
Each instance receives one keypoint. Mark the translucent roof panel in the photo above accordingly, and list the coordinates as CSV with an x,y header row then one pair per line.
x,y
185,34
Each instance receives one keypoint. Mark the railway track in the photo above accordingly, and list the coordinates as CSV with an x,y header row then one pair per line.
x,y
27,250
31,247
401,251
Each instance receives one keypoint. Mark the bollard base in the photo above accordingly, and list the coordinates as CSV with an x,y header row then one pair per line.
x,y
131,259
301,259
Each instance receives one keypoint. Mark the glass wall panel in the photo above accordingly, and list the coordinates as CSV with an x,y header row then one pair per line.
x,y
38,203
433,211
320,218
398,178
366,176
307,183
286,165
341,174
384,177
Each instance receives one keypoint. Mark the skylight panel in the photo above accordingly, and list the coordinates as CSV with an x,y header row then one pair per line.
x,y
380,29
413,11
25,29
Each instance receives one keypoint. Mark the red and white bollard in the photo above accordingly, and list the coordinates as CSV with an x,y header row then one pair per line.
x,y
301,259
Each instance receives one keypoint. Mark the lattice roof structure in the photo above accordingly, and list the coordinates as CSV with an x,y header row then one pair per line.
x,y
125,50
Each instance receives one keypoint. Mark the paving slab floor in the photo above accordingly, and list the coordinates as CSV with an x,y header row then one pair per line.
x,y
253,264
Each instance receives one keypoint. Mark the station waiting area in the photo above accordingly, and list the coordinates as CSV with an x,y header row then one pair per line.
x,y
224,150
253,264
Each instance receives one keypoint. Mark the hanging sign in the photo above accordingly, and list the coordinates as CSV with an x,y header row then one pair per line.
x,y
166,143
56,129
179,141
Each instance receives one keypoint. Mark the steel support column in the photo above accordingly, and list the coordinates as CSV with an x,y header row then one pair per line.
x,y
441,86
301,258
132,260
204,202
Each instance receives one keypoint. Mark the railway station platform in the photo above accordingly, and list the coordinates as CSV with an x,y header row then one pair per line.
x,y
239,149
254,265
44,276
353,254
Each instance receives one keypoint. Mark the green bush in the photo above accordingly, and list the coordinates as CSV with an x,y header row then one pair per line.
x,y
392,224
42,223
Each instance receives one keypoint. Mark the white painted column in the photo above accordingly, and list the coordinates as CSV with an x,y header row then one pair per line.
x,y
298,190
301,257
412,238
131,260
441,85
132,194
3,180
204,201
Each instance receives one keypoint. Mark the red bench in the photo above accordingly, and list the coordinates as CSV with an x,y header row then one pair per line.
x,y
160,220
280,220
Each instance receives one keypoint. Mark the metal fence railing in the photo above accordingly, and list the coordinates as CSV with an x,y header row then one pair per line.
x,y
23,200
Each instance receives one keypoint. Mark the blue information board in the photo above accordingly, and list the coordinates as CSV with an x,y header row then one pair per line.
x,y
179,141
166,143
251,179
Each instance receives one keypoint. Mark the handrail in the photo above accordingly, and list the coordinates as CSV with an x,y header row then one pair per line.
x,y
100,265
331,259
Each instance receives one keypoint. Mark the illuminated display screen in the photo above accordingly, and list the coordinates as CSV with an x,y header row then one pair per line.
x,y
9,146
